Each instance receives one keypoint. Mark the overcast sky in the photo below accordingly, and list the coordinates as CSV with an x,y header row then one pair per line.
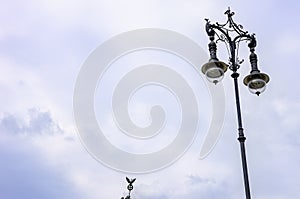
x,y
43,45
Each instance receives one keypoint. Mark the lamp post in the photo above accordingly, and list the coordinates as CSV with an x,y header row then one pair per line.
x,y
214,71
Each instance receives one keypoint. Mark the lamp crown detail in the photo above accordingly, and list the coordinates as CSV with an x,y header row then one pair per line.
x,y
232,34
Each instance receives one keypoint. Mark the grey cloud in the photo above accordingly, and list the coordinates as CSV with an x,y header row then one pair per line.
x,y
203,187
25,174
192,187
195,179
24,170
149,192
39,123
9,124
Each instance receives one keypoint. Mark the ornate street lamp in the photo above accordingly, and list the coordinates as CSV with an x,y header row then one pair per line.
x,y
214,71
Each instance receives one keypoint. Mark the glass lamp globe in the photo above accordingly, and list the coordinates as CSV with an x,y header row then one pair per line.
x,y
257,86
256,82
214,75
214,71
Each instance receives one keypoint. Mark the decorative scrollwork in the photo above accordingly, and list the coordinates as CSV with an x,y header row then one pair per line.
x,y
232,26
224,31
221,37
240,61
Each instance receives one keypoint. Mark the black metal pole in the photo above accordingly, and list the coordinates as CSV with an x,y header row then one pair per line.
x,y
241,137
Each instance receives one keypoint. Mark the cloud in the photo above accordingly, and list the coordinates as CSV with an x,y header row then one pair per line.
x,y
24,170
37,123
25,174
195,179
191,186
39,159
